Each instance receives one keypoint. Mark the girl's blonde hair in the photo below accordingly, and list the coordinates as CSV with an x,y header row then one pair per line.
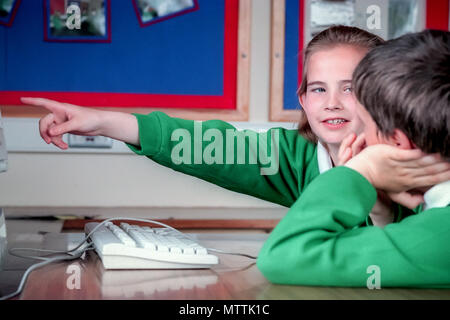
x,y
328,38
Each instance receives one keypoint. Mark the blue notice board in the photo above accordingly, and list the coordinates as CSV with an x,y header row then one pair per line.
x,y
188,61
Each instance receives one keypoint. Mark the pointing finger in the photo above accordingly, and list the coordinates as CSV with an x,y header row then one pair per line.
x,y
42,102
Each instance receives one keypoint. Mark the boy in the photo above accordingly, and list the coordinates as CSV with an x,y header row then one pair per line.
x,y
404,86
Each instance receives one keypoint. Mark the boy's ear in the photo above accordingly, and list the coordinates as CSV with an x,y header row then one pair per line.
x,y
400,140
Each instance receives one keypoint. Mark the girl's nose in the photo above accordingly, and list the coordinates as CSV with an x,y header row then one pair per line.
x,y
333,103
334,107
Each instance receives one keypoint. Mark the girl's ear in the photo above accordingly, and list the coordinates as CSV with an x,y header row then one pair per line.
x,y
301,99
400,140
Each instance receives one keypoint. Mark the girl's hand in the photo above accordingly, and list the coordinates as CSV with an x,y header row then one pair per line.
x,y
65,118
68,118
350,147
407,199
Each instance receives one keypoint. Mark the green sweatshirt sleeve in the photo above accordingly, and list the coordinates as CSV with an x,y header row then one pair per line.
x,y
274,166
319,241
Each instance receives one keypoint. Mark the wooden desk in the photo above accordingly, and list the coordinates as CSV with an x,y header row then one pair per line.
x,y
234,278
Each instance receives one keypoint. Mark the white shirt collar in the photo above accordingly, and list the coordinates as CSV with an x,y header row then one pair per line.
x,y
438,196
323,158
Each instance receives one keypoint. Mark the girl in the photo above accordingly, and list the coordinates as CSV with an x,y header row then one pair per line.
x,y
328,105
328,114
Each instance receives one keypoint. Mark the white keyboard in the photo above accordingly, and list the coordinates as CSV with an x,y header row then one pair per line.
x,y
135,247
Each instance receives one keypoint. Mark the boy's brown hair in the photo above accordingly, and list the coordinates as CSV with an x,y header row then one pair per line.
x,y
327,39
405,84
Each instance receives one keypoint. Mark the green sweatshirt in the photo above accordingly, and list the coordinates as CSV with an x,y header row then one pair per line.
x,y
316,250
161,138
320,241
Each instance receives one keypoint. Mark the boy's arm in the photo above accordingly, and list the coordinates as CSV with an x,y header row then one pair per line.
x,y
320,241
274,166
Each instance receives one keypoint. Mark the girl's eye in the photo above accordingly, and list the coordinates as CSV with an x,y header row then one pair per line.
x,y
348,89
318,90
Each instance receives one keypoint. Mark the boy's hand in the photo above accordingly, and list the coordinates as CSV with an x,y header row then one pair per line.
x,y
395,170
64,118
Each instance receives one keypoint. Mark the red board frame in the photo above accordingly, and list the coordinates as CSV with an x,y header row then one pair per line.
x,y
437,14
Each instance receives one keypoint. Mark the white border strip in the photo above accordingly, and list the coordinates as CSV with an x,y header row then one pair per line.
x,y
22,135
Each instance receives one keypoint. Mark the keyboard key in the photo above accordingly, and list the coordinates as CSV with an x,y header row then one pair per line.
x,y
176,250
127,241
125,226
148,229
200,251
162,247
188,251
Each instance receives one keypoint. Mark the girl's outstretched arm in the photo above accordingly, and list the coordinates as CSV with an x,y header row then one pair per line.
x,y
275,165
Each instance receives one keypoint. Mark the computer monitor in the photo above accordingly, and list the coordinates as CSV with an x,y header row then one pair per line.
x,y
3,168
3,152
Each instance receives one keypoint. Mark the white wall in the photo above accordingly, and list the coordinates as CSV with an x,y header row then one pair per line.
x,y
126,180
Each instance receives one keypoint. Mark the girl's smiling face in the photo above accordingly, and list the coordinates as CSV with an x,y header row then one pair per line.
x,y
329,103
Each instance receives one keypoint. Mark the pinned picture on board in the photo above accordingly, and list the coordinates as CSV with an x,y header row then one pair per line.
x,y
153,11
8,9
77,20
